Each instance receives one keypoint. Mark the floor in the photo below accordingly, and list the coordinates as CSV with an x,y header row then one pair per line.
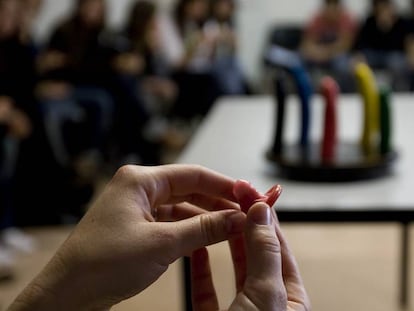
x,y
345,267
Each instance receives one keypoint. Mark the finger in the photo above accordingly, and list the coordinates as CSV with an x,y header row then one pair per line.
x,y
190,206
238,255
177,212
180,180
264,281
204,295
200,231
245,193
206,202
291,275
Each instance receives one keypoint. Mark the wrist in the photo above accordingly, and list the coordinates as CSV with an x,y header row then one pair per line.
x,y
57,287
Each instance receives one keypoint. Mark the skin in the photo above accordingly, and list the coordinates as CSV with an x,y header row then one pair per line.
x,y
317,52
119,248
16,121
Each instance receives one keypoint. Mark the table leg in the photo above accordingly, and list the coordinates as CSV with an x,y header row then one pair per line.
x,y
188,306
405,271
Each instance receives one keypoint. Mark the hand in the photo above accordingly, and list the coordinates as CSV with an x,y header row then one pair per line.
x,y
20,125
267,276
128,238
129,63
6,109
51,60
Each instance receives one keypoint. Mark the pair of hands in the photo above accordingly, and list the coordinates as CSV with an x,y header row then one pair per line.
x,y
147,218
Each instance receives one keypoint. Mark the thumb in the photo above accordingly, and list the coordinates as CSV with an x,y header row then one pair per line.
x,y
264,261
205,229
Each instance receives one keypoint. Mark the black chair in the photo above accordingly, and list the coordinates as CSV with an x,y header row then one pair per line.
x,y
286,35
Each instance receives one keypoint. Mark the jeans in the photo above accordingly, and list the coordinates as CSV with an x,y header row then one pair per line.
x,y
75,108
394,62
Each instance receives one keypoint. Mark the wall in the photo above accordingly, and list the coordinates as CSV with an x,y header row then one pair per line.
x,y
254,19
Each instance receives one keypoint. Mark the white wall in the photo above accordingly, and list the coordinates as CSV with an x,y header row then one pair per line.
x,y
254,18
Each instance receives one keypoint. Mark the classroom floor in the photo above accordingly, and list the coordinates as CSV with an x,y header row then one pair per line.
x,y
345,267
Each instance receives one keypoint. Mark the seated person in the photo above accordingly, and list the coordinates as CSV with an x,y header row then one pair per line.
x,y
327,39
73,73
142,62
409,46
381,41
198,87
226,65
16,82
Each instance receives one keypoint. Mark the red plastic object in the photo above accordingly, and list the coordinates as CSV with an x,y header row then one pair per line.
x,y
329,90
247,195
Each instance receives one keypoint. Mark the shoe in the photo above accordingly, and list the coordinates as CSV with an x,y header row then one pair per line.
x,y
17,240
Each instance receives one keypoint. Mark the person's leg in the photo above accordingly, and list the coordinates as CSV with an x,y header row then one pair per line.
x,y
342,71
229,75
100,107
375,59
399,71
132,118
55,114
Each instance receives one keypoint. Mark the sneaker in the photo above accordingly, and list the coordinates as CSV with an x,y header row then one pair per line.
x,y
18,240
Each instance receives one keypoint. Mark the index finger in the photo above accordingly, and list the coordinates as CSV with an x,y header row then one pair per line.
x,y
168,181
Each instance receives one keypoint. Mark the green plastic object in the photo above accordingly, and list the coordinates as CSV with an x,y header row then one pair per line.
x,y
385,120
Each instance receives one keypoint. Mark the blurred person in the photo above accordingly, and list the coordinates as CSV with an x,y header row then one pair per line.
x,y
14,129
409,45
151,75
149,217
227,68
73,75
198,86
381,42
16,126
327,40
29,14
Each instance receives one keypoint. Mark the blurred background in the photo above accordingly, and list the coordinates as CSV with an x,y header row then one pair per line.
x,y
89,85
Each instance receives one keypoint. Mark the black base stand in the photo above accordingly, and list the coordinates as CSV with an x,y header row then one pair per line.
x,y
349,164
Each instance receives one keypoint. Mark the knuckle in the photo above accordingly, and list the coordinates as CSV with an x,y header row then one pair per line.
x,y
130,175
208,228
268,242
125,172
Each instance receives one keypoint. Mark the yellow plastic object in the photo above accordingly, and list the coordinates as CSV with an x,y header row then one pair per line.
x,y
369,91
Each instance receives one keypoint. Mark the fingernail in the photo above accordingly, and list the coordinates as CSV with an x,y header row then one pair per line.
x,y
261,215
235,222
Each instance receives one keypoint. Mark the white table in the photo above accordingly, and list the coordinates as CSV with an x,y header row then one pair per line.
x,y
237,132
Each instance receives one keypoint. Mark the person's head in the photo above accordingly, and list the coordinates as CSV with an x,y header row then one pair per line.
x,y
381,6
331,9
9,18
91,13
222,10
384,11
32,5
142,19
195,11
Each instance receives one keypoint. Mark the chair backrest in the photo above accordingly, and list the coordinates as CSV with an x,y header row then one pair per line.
x,y
286,35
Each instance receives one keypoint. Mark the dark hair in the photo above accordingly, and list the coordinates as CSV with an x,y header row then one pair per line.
x,y
76,18
335,2
213,4
179,14
374,3
140,16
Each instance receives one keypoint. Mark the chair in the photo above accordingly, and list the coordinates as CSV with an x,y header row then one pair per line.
x,y
288,36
